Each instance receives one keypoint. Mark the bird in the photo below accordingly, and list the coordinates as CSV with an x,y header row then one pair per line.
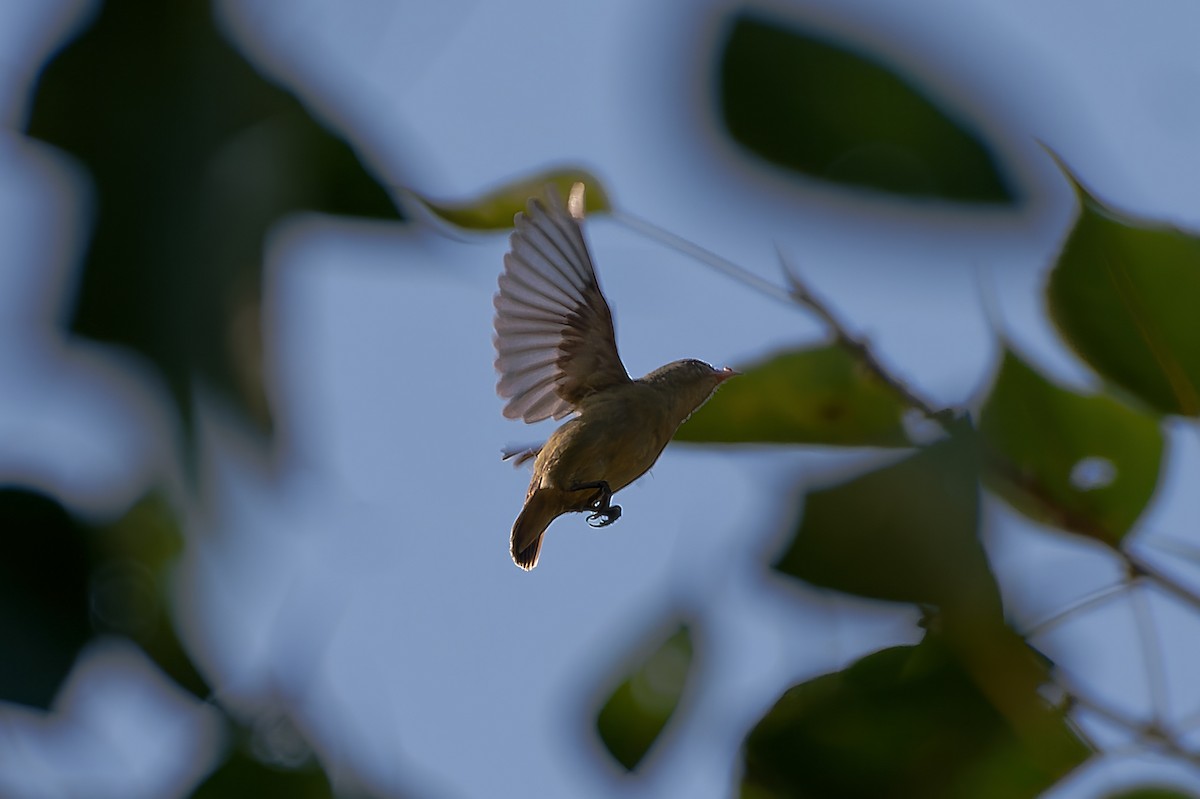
x,y
556,355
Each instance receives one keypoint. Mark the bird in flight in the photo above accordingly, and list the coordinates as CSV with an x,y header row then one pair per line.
x,y
556,353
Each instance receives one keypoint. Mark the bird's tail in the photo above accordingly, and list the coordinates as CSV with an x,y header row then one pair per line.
x,y
540,509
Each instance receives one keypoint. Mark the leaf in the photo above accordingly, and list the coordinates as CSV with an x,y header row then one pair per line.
x,y
1123,295
63,581
812,396
243,776
1152,792
194,156
44,569
908,721
1086,463
635,714
906,532
129,587
496,209
819,108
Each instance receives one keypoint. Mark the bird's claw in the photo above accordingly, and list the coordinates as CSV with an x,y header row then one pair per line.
x,y
603,517
605,512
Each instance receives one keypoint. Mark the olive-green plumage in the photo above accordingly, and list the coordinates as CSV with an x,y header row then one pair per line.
x,y
557,355
617,436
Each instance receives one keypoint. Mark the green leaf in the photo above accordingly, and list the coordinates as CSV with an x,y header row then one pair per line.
x,y
63,581
906,532
1085,463
1152,792
44,570
194,157
496,209
908,721
1123,295
812,396
130,585
815,106
244,777
632,718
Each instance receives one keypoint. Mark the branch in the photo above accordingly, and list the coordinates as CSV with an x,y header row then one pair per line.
x,y
796,294
1140,571
1088,602
803,295
1140,566
1144,735
708,257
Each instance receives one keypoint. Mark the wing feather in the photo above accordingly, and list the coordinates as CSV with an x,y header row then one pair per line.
x,y
554,338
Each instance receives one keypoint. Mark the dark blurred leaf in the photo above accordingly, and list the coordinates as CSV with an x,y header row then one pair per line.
x,y
632,718
194,156
1123,295
62,581
496,209
906,722
44,567
813,396
242,776
1086,463
1152,792
906,532
129,586
819,108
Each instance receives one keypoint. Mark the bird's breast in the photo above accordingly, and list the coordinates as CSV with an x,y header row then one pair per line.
x,y
615,440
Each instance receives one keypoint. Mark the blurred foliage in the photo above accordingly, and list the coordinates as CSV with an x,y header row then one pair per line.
x,y
1045,438
193,156
495,209
906,532
63,581
44,569
634,715
1123,294
964,712
1153,793
811,105
908,721
820,395
243,776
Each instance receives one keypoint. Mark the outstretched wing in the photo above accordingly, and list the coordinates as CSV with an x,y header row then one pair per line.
x,y
554,332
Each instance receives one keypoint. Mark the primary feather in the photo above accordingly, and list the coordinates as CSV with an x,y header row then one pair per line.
x,y
556,354
554,332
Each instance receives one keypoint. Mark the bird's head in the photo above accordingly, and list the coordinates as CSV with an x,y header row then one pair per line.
x,y
689,383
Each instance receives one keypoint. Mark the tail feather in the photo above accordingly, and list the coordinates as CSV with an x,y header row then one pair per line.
x,y
527,532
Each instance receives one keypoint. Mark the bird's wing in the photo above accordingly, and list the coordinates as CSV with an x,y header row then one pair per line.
x,y
554,332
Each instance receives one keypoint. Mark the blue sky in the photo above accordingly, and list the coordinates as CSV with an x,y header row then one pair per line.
x,y
367,589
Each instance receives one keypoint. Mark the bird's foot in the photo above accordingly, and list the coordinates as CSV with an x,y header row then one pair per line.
x,y
602,500
604,517
605,512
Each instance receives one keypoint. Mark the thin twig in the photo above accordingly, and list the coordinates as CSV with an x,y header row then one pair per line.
x,y
1143,567
1144,735
797,294
802,294
1092,600
723,265
1151,648
1189,721
1174,546
1063,678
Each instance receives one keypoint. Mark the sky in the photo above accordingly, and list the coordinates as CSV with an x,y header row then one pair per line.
x,y
367,587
